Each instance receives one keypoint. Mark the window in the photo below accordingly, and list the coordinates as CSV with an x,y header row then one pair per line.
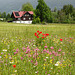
x,y
29,18
24,18
26,14
19,19
16,13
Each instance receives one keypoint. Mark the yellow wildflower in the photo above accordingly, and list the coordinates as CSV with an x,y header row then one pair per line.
x,y
44,64
43,67
51,61
44,40
38,58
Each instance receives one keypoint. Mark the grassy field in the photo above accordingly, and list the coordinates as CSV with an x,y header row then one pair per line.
x,y
23,53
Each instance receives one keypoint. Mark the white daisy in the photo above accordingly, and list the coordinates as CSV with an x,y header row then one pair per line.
x,y
4,50
0,57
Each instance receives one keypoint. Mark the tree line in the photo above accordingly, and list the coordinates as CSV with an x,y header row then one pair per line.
x,y
5,17
44,14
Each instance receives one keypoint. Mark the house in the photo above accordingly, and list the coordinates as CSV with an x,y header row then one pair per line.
x,y
22,17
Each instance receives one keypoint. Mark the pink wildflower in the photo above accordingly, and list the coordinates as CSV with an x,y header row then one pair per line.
x,y
6,64
69,65
47,51
2,53
23,48
44,59
59,54
45,46
52,47
50,53
36,49
17,50
63,53
29,55
52,57
59,50
44,50
53,52
27,47
36,63
46,72
31,61
56,54
21,58
24,55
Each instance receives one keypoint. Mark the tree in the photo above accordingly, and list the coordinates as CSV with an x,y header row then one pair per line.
x,y
35,20
73,14
43,11
4,15
8,16
61,16
27,7
55,17
55,9
0,14
68,9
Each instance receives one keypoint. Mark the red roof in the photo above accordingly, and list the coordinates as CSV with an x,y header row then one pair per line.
x,y
21,13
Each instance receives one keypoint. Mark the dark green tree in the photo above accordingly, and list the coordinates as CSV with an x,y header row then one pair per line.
x,y
27,7
4,15
43,11
55,9
61,16
68,9
55,17
8,16
0,14
73,14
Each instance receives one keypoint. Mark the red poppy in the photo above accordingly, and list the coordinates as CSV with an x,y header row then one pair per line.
x,y
47,34
61,39
43,34
14,66
70,38
42,37
38,31
35,34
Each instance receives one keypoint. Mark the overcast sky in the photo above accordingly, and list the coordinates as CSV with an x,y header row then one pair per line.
x,y
10,5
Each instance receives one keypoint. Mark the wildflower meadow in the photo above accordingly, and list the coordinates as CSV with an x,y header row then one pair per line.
x,y
37,49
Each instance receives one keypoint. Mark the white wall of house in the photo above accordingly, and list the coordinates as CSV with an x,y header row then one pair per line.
x,y
26,22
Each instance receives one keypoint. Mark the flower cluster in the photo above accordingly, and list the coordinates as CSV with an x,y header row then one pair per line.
x,y
38,33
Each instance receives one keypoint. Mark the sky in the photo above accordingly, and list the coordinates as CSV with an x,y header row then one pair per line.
x,y
15,5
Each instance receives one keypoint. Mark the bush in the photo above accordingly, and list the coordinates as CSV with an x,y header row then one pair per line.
x,y
36,20
44,23
9,19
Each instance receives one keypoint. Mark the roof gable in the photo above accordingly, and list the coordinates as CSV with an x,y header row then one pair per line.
x,y
19,14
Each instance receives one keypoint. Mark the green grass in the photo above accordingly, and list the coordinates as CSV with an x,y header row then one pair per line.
x,y
17,36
